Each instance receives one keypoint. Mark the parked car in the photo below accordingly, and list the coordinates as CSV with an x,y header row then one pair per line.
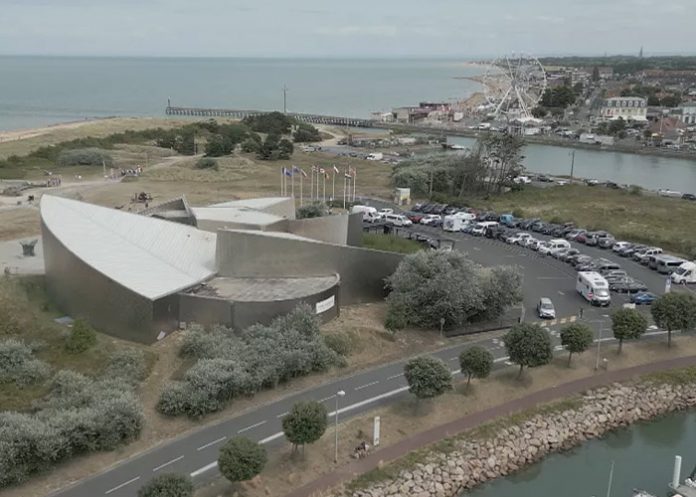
x,y
591,182
643,257
384,212
428,219
544,179
574,233
630,250
571,252
526,224
606,242
627,285
538,227
580,260
582,237
559,253
619,246
518,238
689,196
643,298
415,217
527,242
545,309
594,237
663,192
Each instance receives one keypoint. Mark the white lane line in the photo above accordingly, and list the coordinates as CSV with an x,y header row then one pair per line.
x,y
366,385
205,468
216,441
122,485
394,376
252,426
501,359
283,415
453,358
561,293
167,463
327,398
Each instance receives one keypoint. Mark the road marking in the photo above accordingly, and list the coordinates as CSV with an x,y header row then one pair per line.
x,y
211,443
501,359
283,415
122,485
327,398
561,293
453,358
573,319
167,463
394,376
252,426
366,385
564,320
552,277
558,348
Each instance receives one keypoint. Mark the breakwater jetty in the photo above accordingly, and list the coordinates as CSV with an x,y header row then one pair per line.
x,y
353,122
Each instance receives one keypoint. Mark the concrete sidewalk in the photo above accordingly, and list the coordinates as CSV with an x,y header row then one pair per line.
x,y
423,439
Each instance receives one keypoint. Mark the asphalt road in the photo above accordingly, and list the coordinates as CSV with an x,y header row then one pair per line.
x,y
196,453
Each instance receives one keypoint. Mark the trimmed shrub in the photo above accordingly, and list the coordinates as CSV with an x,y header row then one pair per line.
x,y
168,485
207,163
241,459
230,365
81,338
18,364
84,157
127,364
341,343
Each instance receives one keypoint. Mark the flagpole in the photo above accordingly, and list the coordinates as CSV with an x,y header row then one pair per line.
x,y
323,182
311,184
344,190
333,185
292,183
355,177
301,196
318,171
281,182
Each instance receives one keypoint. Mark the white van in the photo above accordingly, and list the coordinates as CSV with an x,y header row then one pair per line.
x,y
593,287
466,216
667,263
686,273
370,214
453,223
375,156
480,228
397,220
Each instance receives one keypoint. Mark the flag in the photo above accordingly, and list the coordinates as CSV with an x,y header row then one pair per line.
x,y
302,172
347,175
321,170
295,169
336,170
351,170
314,169
287,172
326,175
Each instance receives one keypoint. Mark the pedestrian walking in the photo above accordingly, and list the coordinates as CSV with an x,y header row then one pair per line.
x,y
582,309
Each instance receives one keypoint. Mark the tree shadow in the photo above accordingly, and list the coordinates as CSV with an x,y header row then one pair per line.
x,y
510,377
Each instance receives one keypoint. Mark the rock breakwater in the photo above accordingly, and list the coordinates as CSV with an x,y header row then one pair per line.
x,y
515,445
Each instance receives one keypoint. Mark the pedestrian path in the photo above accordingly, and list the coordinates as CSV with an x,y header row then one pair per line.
x,y
546,323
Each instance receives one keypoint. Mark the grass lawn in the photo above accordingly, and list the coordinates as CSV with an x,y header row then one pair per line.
x,y
390,243
665,222
24,301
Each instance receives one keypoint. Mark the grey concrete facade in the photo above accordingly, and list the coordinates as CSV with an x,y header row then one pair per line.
x,y
251,254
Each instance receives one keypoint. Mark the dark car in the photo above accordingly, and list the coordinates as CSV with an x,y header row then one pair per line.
x,y
417,207
544,179
630,250
612,185
571,252
606,242
643,298
450,210
526,224
627,285
436,223
580,260
582,237
440,209
538,227
689,196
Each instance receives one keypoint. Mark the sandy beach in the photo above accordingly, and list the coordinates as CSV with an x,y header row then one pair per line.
x,y
23,134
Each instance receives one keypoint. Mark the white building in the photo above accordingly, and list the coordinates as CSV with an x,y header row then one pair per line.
x,y
627,108
687,113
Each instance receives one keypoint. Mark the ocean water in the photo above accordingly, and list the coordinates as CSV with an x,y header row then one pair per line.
x,y
37,91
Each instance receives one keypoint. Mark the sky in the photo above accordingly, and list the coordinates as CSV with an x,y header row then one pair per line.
x,y
355,28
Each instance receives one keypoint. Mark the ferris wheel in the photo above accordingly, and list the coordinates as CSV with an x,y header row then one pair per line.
x,y
513,85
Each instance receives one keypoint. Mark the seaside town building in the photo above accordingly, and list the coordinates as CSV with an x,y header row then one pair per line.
x,y
627,108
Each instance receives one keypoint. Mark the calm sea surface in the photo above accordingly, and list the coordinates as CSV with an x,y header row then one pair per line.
x,y
643,456
36,91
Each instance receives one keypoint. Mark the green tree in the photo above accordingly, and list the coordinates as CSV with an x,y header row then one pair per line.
x,y
285,149
539,112
475,362
315,209
241,459
251,145
305,424
219,145
528,345
427,377
674,311
207,163
168,485
576,338
306,133
81,338
616,126
670,101
628,324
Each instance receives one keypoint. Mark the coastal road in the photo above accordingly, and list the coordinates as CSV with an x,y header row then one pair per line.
x,y
195,453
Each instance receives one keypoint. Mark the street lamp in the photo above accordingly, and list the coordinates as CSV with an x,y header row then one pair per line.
x,y
339,394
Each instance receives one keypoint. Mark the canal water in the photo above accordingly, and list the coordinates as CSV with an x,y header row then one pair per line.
x,y
643,455
647,171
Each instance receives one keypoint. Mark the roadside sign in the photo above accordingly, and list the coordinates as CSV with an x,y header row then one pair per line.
x,y
375,432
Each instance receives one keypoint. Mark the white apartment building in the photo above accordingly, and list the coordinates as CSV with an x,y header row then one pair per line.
x,y
627,108
688,113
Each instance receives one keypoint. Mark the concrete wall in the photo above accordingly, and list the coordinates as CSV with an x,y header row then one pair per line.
x,y
329,229
355,230
362,271
246,314
214,225
205,310
82,292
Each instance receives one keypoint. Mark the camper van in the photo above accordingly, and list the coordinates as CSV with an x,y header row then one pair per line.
x,y
375,156
665,264
453,223
593,287
370,214
686,273
464,216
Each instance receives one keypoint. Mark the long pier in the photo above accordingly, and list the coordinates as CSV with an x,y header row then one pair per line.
x,y
241,114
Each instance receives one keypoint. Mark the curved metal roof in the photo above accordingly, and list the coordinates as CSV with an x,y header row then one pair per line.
x,y
149,256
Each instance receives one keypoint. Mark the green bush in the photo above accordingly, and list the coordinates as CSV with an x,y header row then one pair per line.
x,y
207,163
241,459
85,157
315,209
390,243
340,343
18,364
127,364
168,485
82,337
306,133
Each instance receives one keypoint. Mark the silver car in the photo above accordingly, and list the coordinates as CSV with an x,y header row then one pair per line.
x,y
545,308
